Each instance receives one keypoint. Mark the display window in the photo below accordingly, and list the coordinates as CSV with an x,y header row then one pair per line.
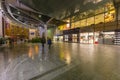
x,y
109,35
66,37
60,38
96,37
74,37
91,37
84,38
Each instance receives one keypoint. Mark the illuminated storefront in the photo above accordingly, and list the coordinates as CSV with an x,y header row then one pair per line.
x,y
66,38
84,38
101,19
74,37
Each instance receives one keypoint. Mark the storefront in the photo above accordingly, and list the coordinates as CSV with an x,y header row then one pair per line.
x,y
106,37
84,38
58,38
96,37
109,37
66,38
74,37
71,35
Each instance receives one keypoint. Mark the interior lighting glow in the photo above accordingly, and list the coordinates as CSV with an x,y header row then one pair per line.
x,y
18,12
68,25
39,16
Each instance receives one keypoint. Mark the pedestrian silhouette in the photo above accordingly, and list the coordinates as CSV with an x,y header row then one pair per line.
x,y
49,42
43,41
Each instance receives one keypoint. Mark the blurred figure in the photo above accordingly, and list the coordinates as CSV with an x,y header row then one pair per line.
x,y
49,42
43,41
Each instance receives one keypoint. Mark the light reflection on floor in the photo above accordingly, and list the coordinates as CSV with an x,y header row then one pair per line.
x,y
68,61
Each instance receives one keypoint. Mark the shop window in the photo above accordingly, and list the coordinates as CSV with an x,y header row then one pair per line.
x,y
66,38
74,37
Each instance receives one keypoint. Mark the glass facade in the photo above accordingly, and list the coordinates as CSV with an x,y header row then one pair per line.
x,y
83,22
99,18
90,21
102,14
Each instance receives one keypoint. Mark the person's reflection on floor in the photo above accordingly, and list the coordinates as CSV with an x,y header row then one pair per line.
x,y
43,54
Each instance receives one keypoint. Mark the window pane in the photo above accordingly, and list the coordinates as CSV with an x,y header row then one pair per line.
x,y
99,18
83,23
90,21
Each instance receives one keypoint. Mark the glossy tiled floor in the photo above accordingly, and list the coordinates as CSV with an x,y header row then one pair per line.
x,y
64,61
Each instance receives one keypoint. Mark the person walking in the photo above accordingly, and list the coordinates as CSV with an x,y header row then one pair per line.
x,y
49,42
43,41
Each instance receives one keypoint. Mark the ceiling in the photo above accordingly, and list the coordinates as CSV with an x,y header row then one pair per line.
x,y
60,9
55,9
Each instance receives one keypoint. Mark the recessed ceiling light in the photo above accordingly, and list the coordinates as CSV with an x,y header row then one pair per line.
x,y
39,16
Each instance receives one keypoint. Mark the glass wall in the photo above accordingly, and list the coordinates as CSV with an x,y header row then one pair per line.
x,y
90,21
73,25
77,24
74,37
110,16
100,15
119,13
83,22
99,19
66,37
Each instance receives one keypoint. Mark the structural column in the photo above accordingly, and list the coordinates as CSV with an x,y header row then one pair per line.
x,y
45,27
1,24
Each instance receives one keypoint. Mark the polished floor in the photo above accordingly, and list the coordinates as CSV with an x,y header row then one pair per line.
x,y
63,61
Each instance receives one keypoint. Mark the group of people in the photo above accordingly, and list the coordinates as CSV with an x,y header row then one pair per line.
x,y
43,41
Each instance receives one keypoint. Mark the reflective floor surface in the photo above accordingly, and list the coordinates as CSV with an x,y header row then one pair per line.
x,y
63,61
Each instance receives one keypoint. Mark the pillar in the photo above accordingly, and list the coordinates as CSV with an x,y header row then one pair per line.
x,y
45,27
1,24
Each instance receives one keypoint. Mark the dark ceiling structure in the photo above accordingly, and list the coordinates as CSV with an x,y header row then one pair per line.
x,y
61,9
44,10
